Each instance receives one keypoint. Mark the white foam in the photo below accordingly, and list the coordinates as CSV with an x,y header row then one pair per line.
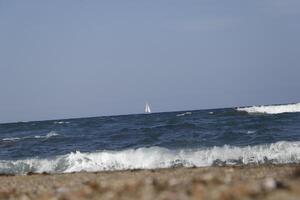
x,y
11,139
272,109
48,135
183,114
157,157
61,122
251,132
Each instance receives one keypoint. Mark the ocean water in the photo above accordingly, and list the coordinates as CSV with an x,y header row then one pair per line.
x,y
232,136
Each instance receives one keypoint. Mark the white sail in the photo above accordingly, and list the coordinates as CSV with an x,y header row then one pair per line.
x,y
147,108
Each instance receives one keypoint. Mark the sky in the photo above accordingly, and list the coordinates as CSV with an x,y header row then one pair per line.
x,y
80,58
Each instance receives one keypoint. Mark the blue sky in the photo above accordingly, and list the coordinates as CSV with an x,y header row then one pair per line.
x,y
61,59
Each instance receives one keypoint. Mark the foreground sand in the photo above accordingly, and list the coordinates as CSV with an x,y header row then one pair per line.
x,y
250,182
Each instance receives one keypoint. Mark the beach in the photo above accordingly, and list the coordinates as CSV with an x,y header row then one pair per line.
x,y
230,182
150,100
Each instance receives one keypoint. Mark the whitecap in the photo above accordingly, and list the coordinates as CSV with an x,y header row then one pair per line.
x,y
61,122
251,132
183,114
48,135
157,157
11,139
272,109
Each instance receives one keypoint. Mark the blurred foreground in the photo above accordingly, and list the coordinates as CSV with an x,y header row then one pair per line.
x,y
246,182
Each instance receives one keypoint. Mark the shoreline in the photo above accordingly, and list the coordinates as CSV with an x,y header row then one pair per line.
x,y
224,182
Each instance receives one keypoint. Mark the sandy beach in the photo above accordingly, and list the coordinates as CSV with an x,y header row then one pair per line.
x,y
245,182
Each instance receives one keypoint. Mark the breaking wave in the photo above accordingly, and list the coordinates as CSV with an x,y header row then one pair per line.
x,y
11,139
183,114
157,157
48,135
272,109
61,122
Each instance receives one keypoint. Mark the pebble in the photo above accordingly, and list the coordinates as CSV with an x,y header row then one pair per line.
x,y
149,181
227,179
62,190
269,184
173,182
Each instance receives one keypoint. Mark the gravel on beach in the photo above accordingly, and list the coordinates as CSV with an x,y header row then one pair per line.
x,y
224,183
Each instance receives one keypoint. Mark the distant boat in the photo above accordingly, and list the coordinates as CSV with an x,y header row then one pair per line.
x,y
147,108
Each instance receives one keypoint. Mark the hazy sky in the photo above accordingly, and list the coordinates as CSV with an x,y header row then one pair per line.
x,y
69,58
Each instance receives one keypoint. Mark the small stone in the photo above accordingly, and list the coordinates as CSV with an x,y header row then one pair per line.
x,y
207,177
87,190
93,185
61,190
296,173
210,178
230,170
168,195
131,185
269,184
197,192
24,197
149,181
173,182
227,179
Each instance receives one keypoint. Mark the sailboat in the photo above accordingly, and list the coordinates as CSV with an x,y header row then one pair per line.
x,y
147,108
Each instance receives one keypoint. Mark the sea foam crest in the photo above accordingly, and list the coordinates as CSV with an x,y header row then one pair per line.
x,y
47,136
272,109
61,122
157,157
183,114
11,139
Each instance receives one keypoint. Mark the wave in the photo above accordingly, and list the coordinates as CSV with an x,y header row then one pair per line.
x,y
183,114
61,122
272,109
157,157
251,132
11,139
47,136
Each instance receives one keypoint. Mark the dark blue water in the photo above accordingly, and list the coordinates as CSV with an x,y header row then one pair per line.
x,y
178,137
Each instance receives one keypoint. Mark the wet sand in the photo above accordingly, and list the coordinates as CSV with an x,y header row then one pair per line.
x,y
246,182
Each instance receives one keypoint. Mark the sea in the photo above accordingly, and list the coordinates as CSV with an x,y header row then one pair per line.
x,y
253,135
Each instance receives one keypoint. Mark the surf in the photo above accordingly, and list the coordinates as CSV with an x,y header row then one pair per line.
x,y
272,109
282,152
